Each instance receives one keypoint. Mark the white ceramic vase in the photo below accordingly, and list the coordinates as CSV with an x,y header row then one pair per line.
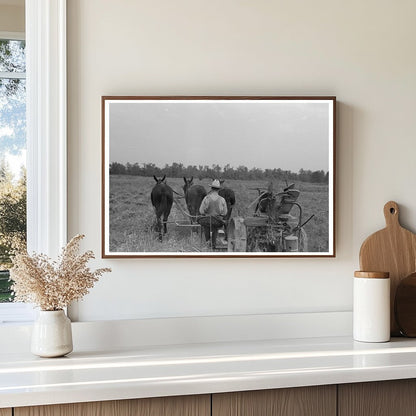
x,y
52,334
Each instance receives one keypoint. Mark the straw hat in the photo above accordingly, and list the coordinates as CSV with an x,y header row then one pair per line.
x,y
215,184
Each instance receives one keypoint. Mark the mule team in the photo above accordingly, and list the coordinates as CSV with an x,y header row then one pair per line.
x,y
211,210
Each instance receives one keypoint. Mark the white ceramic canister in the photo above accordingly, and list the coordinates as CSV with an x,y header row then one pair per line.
x,y
371,309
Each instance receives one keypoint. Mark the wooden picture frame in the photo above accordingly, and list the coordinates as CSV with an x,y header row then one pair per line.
x,y
274,156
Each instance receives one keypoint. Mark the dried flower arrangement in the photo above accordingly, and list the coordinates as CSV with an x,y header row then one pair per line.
x,y
52,285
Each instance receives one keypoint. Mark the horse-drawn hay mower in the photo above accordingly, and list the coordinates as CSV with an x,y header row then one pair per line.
x,y
276,224
273,226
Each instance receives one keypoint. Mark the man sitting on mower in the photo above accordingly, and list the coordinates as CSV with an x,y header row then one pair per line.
x,y
214,209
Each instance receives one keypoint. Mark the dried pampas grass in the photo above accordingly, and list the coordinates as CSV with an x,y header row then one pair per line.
x,y
53,285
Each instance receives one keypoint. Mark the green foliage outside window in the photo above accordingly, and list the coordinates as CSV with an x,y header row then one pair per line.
x,y
12,224
12,146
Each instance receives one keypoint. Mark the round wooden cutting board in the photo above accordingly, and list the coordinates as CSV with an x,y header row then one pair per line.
x,y
393,250
405,306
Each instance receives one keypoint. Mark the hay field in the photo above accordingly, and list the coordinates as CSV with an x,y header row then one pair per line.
x,y
132,217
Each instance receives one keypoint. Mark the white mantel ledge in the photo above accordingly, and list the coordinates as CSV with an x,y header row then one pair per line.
x,y
213,367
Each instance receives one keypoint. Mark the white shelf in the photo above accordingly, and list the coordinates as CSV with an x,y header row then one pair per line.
x,y
168,370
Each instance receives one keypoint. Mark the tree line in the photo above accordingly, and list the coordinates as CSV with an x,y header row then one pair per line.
x,y
178,170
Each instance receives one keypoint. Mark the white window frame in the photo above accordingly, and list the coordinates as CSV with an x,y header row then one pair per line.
x,y
12,35
46,134
46,125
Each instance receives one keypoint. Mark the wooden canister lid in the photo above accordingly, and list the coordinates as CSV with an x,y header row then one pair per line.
x,y
372,275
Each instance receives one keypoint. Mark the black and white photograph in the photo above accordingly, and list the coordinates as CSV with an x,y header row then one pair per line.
x,y
218,176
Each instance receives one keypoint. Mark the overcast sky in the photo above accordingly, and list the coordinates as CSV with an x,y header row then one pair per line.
x,y
263,134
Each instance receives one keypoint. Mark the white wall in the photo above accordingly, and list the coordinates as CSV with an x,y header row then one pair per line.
x,y
361,51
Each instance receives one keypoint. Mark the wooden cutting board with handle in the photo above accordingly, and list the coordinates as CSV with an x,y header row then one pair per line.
x,y
405,306
393,250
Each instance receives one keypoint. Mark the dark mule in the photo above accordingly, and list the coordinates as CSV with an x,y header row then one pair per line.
x,y
162,200
194,194
229,196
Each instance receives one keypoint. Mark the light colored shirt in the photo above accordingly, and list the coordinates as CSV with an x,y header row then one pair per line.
x,y
213,204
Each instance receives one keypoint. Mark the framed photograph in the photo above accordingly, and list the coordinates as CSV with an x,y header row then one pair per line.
x,y
218,176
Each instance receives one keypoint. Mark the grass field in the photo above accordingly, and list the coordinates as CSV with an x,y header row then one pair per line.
x,y
132,217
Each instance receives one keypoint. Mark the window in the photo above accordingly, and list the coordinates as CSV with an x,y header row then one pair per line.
x,y
12,154
46,135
